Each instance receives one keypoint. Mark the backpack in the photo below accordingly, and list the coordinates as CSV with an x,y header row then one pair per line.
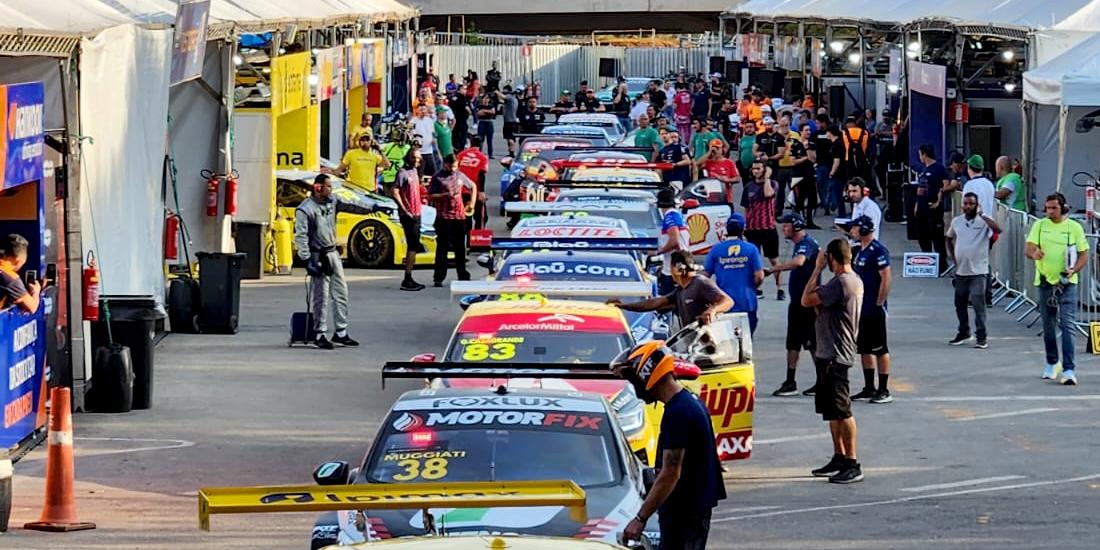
x,y
857,157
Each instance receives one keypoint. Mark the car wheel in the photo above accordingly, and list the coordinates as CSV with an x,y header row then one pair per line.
x,y
371,245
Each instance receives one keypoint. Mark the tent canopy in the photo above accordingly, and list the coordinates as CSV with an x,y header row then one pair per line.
x,y
1072,79
87,17
1023,14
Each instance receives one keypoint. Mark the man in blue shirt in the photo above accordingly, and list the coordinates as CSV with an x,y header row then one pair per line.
x,y
800,320
674,237
871,261
676,154
737,268
928,210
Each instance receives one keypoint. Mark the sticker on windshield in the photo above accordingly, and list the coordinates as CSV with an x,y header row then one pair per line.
x,y
489,349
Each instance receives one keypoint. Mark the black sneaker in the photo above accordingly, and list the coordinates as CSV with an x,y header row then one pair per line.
x,y
322,343
834,467
850,474
759,293
781,295
882,397
411,285
787,389
344,340
960,339
982,344
864,394
811,391
438,284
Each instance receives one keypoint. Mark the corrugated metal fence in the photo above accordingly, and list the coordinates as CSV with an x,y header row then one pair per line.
x,y
563,66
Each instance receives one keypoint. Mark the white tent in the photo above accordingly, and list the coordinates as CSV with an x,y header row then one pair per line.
x,y
1058,95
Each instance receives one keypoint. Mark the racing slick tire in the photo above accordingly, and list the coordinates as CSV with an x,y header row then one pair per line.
x,y
371,244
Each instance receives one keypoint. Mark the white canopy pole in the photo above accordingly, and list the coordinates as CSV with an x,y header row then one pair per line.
x,y
1063,114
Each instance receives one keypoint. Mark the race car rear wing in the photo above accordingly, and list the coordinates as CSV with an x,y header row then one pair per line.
x,y
582,148
389,496
553,288
570,371
605,183
610,163
573,243
544,207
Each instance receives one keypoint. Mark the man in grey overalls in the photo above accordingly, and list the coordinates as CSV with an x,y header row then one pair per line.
x,y
315,243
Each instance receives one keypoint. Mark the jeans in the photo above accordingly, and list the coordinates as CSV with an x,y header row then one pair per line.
x,y
783,178
450,236
822,175
836,195
460,133
485,132
970,291
1064,312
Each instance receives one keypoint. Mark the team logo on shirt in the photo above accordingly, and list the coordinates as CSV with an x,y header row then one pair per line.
x,y
734,250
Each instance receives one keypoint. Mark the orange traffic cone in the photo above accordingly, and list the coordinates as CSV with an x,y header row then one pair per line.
x,y
59,513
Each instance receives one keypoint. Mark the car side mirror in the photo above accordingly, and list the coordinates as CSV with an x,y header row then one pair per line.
x,y
649,476
685,370
470,299
335,472
423,358
652,262
690,203
506,162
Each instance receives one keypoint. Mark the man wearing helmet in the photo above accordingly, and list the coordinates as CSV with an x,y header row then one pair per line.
x,y
689,478
694,298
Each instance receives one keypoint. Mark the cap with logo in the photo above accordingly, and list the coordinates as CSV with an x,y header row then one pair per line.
x,y
735,223
865,224
798,223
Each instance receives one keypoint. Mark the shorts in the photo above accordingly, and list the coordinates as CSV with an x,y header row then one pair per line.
x,y
871,339
800,327
510,130
767,240
411,227
684,531
832,400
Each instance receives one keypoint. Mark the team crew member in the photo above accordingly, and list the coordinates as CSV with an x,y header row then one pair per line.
x,y
315,241
694,298
676,153
406,193
360,166
530,117
737,268
800,319
445,194
872,264
674,237
758,199
13,256
689,480
715,165
837,325
968,239
474,165
1060,250
862,205
928,210
770,144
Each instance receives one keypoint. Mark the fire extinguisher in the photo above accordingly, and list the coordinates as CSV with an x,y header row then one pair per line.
x,y
212,182
1090,202
91,289
171,236
231,193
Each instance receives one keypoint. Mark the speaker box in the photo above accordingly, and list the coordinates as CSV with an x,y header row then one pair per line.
x,y
794,87
836,102
985,140
609,67
982,116
717,65
770,80
733,71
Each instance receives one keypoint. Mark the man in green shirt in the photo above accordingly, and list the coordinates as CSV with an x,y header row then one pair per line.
x,y
443,137
647,137
1010,187
748,139
701,136
1060,250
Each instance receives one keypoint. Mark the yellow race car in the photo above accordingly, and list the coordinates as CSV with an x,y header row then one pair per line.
x,y
372,240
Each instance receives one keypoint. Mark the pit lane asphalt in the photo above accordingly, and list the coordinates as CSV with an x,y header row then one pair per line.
x,y
975,452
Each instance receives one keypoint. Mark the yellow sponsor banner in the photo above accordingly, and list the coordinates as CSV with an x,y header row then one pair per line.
x,y
379,71
289,83
297,139
354,66
326,65
729,394
387,496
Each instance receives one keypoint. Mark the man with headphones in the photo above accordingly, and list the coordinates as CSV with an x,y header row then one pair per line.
x,y
694,298
1060,250
315,243
737,268
871,261
800,319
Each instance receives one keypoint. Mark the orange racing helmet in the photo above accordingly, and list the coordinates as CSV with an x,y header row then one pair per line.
x,y
644,364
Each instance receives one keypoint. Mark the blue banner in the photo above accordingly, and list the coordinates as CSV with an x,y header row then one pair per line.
x,y
23,147
23,352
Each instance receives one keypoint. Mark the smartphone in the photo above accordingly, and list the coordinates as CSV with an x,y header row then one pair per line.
x,y
30,276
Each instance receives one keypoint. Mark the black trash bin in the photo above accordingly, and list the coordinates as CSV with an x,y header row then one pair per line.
x,y
219,291
133,324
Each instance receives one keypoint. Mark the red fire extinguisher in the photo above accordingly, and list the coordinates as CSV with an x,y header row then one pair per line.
x,y
1090,202
171,236
91,289
231,193
212,182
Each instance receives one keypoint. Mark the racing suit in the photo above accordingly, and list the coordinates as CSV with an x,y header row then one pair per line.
x,y
315,242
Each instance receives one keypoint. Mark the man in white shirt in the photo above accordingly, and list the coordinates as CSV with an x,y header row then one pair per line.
x,y
639,108
424,130
980,185
862,204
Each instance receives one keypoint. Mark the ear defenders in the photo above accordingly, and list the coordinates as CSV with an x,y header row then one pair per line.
x,y
1062,202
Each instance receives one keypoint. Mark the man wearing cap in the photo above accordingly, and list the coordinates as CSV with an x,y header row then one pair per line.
x,y
674,237
871,261
714,164
980,185
693,298
360,165
563,105
800,319
676,153
737,268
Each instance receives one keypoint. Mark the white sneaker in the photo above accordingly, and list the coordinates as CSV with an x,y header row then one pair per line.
x,y
1069,378
1050,372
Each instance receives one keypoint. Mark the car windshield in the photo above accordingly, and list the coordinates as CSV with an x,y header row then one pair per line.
x,y
582,269
532,148
567,346
637,221
610,127
496,445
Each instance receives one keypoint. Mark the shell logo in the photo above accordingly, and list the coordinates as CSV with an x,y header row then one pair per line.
x,y
698,225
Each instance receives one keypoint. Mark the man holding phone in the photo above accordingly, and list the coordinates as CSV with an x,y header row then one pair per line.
x,y
13,256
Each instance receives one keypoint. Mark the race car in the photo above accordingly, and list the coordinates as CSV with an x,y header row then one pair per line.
x,y
598,136
642,219
570,225
609,122
372,240
529,148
